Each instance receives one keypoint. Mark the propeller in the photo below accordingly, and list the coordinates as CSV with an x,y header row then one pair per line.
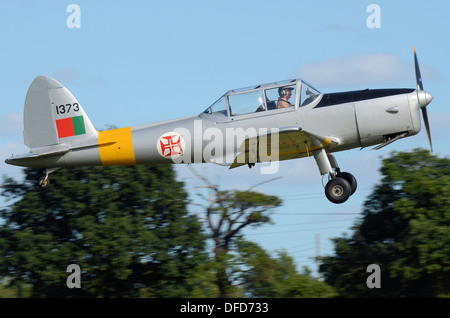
x,y
424,98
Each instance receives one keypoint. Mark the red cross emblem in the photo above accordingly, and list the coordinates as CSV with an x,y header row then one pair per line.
x,y
170,144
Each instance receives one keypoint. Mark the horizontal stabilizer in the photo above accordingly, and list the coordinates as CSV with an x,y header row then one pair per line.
x,y
39,153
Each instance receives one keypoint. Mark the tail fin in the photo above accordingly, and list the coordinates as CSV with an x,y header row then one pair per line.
x,y
53,116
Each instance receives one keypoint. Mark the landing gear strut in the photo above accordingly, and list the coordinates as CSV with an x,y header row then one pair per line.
x,y
44,182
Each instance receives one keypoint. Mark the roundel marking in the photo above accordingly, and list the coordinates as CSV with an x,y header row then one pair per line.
x,y
170,145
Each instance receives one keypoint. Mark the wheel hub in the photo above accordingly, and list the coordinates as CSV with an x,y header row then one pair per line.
x,y
338,190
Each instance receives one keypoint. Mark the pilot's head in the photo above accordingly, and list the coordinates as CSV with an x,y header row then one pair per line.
x,y
285,91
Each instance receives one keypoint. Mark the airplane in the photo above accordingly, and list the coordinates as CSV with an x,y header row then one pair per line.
x,y
266,123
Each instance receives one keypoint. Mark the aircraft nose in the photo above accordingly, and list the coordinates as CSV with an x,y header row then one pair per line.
x,y
424,98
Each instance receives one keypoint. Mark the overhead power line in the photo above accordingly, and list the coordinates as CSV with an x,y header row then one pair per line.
x,y
307,223
298,230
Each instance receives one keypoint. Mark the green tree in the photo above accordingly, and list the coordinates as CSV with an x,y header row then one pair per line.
x,y
6,292
265,276
127,227
231,212
405,230
228,213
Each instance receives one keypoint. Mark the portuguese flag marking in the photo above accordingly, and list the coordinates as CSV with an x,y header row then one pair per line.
x,y
72,126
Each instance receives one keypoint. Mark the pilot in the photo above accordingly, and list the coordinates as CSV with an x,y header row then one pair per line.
x,y
285,93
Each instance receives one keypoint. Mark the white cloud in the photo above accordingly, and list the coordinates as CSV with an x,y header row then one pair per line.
x,y
11,123
11,142
336,27
357,69
66,75
8,149
439,121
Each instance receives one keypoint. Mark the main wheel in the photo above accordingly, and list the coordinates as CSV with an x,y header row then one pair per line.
x,y
338,190
351,179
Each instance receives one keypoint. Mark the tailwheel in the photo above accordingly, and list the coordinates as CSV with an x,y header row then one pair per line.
x,y
44,182
338,190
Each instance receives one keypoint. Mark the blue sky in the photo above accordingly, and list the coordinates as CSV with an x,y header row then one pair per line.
x,y
137,62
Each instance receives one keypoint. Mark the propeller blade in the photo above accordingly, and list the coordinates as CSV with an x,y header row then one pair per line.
x,y
418,76
424,98
427,126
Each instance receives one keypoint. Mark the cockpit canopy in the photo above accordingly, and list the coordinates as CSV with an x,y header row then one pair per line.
x,y
288,94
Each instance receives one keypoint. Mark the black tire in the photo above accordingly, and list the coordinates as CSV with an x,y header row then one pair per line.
x,y
338,190
351,179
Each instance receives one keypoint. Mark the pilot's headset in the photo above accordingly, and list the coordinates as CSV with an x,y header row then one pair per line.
x,y
282,91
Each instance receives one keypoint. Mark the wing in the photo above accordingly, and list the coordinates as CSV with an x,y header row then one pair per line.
x,y
281,144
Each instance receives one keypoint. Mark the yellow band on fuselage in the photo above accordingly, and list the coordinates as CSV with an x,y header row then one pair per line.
x,y
116,147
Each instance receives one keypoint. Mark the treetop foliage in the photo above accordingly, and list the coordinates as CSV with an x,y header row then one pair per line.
x,y
126,227
405,229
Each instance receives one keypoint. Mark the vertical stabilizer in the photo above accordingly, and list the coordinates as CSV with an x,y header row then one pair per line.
x,y
52,116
